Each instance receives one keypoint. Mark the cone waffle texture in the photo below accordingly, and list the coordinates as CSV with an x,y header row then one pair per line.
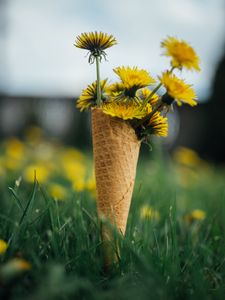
x,y
116,150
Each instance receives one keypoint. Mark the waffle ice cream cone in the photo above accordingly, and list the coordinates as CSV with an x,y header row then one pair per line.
x,y
116,150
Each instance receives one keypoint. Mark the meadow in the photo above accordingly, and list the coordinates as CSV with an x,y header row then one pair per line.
x,y
50,245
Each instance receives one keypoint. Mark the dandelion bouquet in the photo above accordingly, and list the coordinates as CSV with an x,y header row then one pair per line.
x,y
126,113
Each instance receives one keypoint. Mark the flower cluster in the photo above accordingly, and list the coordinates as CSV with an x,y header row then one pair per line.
x,y
134,97
35,158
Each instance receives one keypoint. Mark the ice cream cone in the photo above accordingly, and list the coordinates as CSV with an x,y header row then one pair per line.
x,y
116,150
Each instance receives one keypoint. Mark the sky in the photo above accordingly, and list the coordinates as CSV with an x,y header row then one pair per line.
x,y
40,59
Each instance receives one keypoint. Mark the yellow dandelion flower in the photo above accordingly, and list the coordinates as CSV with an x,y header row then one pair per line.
x,y
195,215
119,93
3,246
95,42
115,89
126,111
134,78
198,214
15,149
182,54
145,93
187,157
42,173
74,170
57,191
177,90
147,212
158,125
70,154
79,185
12,164
88,97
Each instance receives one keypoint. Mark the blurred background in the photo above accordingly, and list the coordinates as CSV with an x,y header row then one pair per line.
x,y
42,73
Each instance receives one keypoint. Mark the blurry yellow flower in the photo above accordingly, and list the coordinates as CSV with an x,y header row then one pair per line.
x,y
158,125
198,214
15,154
71,154
91,186
74,170
182,54
88,97
195,215
191,168
57,191
178,90
95,42
3,246
133,79
126,111
187,157
41,171
12,164
147,212
72,164
14,148
79,185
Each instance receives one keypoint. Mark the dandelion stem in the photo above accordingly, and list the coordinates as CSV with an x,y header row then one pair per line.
x,y
152,93
99,101
155,89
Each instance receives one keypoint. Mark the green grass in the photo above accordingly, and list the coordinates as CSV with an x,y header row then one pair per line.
x,y
165,258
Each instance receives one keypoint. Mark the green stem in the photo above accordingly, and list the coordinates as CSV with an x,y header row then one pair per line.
x,y
155,89
99,100
152,93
